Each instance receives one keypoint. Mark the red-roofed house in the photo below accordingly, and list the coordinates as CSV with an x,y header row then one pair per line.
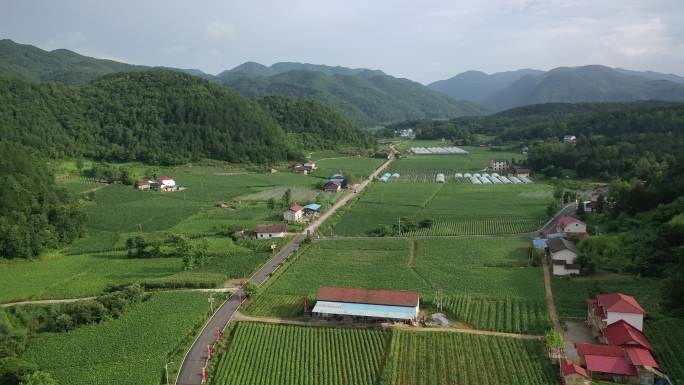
x,y
606,309
623,334
573,373
640,357
607,362
332,186
294,213
277,230
571,226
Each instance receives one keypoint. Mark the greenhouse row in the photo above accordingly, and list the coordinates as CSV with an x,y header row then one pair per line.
x,y
438,150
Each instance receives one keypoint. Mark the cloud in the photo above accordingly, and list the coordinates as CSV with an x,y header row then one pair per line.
x,y
217,30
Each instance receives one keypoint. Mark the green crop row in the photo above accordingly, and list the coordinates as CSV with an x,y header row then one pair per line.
x,y
275,354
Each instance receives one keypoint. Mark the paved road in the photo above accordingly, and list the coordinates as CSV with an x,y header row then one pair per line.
x,y
550,226
195,359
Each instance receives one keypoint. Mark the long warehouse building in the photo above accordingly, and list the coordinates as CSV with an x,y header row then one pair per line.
x,y
367,305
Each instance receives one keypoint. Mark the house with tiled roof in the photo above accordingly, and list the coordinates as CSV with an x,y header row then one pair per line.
x,y
563,254
267,231
573,374
607,309
621,333
631,365
294,213
571,226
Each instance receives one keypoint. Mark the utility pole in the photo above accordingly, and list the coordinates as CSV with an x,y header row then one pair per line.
x,y
400,226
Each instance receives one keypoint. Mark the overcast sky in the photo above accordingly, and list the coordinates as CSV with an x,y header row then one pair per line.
x,y
423,40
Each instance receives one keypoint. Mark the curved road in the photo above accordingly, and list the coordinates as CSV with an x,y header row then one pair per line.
x,y
195,359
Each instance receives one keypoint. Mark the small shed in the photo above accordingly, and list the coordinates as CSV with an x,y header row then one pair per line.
x,y
312,208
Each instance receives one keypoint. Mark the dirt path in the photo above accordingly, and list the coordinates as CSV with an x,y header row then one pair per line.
x,y
553,315
47,301
414,254
67,300
238,316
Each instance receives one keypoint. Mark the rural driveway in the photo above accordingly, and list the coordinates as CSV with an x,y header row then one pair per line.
x,y
190,372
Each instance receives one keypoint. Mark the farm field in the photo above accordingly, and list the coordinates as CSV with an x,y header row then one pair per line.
x,y
131,349
435,358
477,159
570,294
667,335
117,212
282,354
278,354
491,270
455,209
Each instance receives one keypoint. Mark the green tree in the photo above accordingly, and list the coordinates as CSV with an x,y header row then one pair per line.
x,y
287,198
38,378
270,204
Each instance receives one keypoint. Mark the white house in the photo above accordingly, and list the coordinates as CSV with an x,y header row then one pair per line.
x,y
570,139
277,230
311,165
607,309
294,213
571,226
166,183
563,255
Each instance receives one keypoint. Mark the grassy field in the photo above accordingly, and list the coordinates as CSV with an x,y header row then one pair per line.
x,y
131,349
275,354
492,269
436,358
279,354
456,209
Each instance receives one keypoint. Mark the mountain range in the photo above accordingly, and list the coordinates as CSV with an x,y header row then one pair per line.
x,y
593,83
368,97
372,97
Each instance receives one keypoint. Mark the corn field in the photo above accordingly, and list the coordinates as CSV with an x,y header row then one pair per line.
x,y
262,354
507,315
438,358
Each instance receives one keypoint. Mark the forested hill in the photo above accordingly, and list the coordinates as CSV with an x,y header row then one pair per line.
x,y
153,116
368,98
314,124
61,65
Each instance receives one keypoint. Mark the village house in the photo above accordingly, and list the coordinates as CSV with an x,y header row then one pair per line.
x,y
294,213
273,170
628,365
518,172
166,183
144,184
498,164
332,186
571,226
563,254
367,305
310,165
405,133
606,309
573,374
300,169
570,139
267,231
